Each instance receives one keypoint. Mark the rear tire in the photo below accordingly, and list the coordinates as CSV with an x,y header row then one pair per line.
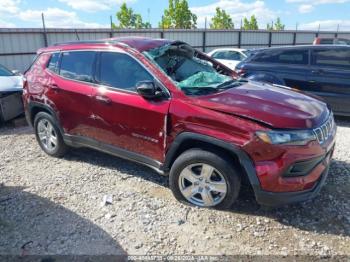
x,y
48,135
205,179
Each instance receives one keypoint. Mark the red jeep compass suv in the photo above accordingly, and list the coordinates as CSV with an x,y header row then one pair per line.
x,y
166,105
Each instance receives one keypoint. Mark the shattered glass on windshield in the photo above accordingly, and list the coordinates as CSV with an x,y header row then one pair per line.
x,y
191,74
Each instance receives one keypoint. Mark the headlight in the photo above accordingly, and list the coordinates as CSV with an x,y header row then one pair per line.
x,y
297,137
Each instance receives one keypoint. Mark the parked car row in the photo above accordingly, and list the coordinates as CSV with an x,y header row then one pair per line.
x,y
321,70
177,110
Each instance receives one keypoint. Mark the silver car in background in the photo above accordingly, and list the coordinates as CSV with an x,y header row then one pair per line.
x,y
11,87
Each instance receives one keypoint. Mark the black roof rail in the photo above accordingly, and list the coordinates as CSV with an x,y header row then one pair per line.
x,y
83,42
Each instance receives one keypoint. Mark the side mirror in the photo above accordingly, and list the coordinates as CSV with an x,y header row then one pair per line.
x,y
148,90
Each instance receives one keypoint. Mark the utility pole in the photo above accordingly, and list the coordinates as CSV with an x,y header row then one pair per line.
x,y
148,15
44,27
111,32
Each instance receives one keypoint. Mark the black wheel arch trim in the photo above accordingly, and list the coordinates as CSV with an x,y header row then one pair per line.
x,y
243,158
45,107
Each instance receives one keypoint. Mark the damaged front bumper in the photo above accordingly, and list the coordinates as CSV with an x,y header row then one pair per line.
x,y
11,105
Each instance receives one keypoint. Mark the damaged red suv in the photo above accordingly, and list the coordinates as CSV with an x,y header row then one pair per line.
x,y
168,106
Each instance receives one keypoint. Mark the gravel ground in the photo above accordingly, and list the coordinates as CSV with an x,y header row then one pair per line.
x,y
53,206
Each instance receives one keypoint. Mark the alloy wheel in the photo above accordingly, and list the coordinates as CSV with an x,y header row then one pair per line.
x,y
202,185
47,135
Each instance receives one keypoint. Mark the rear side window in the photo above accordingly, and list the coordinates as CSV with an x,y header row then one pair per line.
x,y
327,41
78,65
5,72
332,57
52,64
121,71
296,57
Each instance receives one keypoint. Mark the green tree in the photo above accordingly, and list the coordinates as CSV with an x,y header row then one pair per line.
x,y
251,24
246,24
221,20
275,26
178,15
279,25
128,19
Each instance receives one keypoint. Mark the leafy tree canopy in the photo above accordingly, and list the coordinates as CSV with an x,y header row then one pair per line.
x,y
128,19
221,20
275,25
178,15
251,24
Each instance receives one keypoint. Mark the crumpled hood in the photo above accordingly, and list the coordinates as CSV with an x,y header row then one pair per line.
x,y
274,106
11,83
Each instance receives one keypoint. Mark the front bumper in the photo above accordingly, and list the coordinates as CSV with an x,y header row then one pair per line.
x,y
279,199
276,199
11,105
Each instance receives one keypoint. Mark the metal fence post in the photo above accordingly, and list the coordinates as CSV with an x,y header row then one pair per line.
x,y
239,38
270,38
204,41
294,38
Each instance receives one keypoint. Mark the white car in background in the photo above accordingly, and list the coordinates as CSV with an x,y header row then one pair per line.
x,y
230,57
11,87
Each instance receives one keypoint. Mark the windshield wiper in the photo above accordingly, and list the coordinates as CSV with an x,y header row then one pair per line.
x,y
231,83
195,90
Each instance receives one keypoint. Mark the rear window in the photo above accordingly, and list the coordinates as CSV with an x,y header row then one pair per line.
x,y
298,57
52,64
78,65
332,57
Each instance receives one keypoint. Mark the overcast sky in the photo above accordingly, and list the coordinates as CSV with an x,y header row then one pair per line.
x,y
89,13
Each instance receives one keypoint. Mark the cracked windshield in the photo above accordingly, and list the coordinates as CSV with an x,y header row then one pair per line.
x,y
193,75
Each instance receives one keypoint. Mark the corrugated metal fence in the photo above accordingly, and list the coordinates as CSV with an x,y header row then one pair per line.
x,y
18,46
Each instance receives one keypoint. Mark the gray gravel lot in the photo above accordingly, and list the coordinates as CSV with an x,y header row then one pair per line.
x,y
53,206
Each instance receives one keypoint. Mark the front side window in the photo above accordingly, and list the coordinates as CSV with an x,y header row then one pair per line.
x,y
77,65
332,57
52,64
121,71
296,57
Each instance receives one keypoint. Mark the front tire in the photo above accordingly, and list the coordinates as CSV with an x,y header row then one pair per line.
x,y
48,135
205,179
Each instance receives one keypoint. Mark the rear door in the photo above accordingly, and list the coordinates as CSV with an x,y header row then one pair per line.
x,y
123,118
330,76
71,88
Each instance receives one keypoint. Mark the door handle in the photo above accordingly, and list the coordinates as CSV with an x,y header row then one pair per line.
x,y
317,71
53,87
103,99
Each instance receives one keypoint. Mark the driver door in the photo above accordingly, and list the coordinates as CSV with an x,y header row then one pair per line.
x,y
122,117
